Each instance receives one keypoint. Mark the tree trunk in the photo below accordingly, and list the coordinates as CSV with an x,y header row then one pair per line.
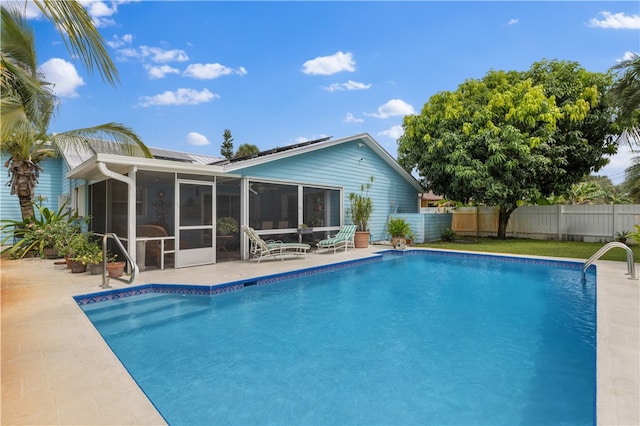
x,y
503,220
24,177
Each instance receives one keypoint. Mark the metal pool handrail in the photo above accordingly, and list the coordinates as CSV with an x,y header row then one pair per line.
x,y
631,267
134,267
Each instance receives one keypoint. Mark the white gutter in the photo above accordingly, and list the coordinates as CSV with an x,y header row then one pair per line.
x,y
131,205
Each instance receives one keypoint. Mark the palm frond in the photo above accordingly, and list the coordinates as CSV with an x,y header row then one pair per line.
x,y
107,133
80,35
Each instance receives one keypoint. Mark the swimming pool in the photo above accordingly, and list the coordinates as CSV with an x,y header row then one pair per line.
x,y
418,338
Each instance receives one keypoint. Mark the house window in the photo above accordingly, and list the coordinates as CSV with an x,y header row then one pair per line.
x,y
321,207
273,205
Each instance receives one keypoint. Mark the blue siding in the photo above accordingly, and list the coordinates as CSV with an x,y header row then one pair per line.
x,y
347,165
49,184
427,227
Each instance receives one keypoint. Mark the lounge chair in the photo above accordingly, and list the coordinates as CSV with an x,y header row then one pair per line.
x,y
261,248
344,238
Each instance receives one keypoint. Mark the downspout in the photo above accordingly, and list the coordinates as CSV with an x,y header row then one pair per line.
x,y
131,206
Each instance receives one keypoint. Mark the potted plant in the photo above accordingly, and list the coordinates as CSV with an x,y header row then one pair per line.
x,y
79,247
91,256
227,225
360,210
40,233
400,230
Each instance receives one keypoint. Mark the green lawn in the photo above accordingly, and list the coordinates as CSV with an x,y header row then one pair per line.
x,y
569,249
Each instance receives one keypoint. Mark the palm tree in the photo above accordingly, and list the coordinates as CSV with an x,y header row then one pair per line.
x,y
27,105
632,180
626,90
585,193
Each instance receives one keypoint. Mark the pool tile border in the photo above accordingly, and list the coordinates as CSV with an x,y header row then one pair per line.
x,y
207,290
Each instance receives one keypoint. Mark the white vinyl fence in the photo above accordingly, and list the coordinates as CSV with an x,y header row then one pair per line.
x,y
590,223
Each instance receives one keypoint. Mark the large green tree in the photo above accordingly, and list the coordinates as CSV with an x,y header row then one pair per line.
x,y
27,105
511,136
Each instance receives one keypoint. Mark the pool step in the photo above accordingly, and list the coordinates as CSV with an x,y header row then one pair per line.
x,y
147,312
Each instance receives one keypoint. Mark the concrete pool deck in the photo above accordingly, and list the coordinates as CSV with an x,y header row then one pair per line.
x,y
57,369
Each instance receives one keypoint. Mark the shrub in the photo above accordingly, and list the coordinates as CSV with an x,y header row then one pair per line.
x,y
47,229
399,227
448,235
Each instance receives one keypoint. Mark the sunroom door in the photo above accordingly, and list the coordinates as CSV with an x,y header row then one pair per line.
x,y
195,244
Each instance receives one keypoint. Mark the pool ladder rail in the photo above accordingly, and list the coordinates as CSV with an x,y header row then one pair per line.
x,y
132,265
631,267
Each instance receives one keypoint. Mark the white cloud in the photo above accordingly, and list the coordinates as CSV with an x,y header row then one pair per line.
x,y
211,71
100,12
197,139
349,85
161,71
118,42
64,77
513,21
154,54
616,21
327,65
618,164
628,55
157,54
179,97
393,132
393,108
349,118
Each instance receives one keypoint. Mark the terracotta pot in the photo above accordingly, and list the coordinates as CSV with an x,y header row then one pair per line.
x,y
361,239
77,267
115,269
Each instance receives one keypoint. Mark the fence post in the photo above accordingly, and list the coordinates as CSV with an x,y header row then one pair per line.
x,y
559,222
614,221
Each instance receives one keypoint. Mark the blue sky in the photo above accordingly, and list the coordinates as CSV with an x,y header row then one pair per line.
x,y
277,73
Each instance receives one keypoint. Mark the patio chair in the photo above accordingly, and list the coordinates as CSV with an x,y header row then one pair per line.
x,y
261,248
344,238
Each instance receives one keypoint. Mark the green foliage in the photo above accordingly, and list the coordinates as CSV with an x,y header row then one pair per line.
x,y
47,229
29,102
448,235
246,149
399,227
626,93
227,144
511,136
632,180
227,225
84,249
636,234
622,236
361,206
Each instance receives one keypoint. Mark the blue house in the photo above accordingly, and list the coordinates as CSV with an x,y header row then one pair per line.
x,y
170,205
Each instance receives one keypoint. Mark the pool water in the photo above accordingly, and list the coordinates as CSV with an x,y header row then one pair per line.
x,y
414,339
